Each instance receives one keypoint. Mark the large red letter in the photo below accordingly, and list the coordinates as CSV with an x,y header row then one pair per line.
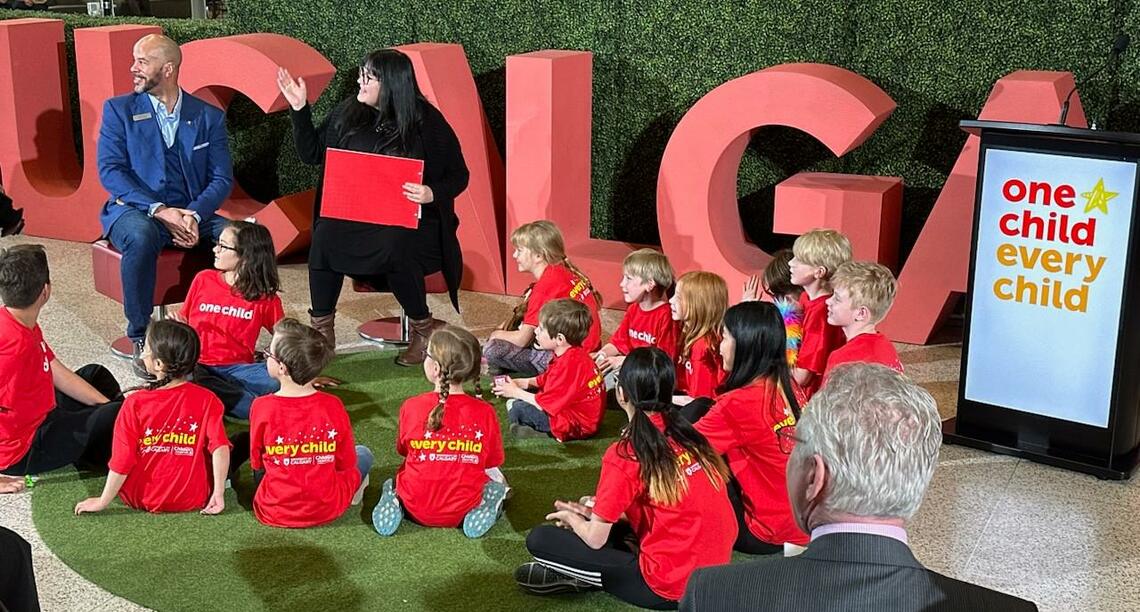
x,y
445,77
214,69
37,159
548,161
696,189
937,270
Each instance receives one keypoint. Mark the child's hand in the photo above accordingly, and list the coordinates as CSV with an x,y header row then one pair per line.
x,y
611,363
581,510
506,387
91,504
321,382
216,504
587,501
751,289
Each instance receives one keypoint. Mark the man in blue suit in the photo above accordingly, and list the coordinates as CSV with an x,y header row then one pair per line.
x,y
164,159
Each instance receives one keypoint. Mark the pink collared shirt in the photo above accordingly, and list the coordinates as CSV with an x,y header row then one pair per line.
x,y
879,529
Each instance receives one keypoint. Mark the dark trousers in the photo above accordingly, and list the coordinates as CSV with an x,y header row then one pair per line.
x,y
17,580
613,566
745,541
74,433
406,285
140,239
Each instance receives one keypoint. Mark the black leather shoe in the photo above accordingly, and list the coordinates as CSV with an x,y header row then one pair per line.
x,y
137,363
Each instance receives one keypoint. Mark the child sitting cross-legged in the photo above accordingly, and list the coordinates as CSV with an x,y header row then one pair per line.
x,y
305,462
568,401
646,281
451,446
164,434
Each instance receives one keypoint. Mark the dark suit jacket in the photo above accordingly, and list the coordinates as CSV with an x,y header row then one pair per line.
x,y
841,572
131,163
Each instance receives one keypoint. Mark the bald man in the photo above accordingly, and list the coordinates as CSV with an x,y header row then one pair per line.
x,y
164,159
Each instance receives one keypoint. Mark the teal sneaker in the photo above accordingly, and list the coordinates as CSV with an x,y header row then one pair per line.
x,y
387,515
480,520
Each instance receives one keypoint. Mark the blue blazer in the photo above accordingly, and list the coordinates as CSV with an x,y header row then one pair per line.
x,y
131,164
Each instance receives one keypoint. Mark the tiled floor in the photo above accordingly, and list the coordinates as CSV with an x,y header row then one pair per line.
x,y
1064,540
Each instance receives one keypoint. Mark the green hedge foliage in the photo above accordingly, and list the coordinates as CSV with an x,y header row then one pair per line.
x,y
653,60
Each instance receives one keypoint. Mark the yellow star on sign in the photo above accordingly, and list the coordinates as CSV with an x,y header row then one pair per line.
x,y
1098,198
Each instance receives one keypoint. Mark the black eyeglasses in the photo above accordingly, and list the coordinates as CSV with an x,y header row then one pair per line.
x,y
786,437
269,355
226,247
366,76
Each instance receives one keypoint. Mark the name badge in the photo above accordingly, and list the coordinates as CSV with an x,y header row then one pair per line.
x,y
141,117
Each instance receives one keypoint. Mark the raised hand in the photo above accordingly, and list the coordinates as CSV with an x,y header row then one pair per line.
x,y
295,91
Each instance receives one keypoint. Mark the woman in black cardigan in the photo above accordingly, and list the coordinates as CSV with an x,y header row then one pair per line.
x,y
389,116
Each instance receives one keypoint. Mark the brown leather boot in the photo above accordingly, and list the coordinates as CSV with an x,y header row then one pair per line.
x,y
419,332
326,325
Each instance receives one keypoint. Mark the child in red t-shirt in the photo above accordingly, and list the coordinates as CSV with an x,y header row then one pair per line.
x,y
699,304
662,483
816,256
540,251
569,401
164,433
863,294
306,464
647,279
749,422
451,446
228,307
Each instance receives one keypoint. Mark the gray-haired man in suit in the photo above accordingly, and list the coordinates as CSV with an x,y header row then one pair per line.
x,y
866,448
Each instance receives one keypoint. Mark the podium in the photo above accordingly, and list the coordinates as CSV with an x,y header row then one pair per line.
x,y
1051,353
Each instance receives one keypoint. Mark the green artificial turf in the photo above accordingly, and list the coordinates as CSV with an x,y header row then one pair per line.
x,y
232,562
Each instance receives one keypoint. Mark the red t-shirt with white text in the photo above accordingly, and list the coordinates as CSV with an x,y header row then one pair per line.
x,y
557,282
696,532
227,323
164,440
701,371
640,328
820,339
305,445
868,348
27,393
443,473
742,426
571,394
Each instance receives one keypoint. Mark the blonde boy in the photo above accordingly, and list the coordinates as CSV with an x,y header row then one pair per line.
x,y
815,257
646,280
862,294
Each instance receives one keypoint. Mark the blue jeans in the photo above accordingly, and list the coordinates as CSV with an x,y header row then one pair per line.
x,y
527,414
253,379
140,239
364,460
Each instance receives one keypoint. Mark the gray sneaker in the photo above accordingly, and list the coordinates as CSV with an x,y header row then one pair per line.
x,y
536,578
137,365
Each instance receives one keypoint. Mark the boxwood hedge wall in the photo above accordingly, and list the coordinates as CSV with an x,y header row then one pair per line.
x,y
653,60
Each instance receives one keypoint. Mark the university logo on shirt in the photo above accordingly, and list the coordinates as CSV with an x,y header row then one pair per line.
x,y
317,447
449,445
179,438
688,463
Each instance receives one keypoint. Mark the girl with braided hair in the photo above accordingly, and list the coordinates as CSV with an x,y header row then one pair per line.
x,y
163,433
451,445
661,484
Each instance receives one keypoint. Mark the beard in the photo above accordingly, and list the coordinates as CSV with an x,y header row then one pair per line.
x,y
148,83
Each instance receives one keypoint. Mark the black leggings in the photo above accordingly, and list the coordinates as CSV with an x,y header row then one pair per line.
x,y
406,285
745,541
73,432
613,567
17,580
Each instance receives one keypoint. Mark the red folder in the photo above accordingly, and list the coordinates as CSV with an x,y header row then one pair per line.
x,y
369,188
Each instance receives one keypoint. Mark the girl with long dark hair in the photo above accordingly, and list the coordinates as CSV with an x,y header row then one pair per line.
x,y
170,451
388,116
228,307
751,422
668,483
